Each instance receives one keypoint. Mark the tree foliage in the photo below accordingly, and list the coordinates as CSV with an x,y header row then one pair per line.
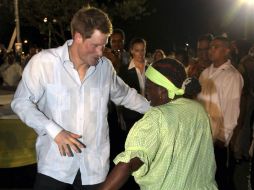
x,y
60,12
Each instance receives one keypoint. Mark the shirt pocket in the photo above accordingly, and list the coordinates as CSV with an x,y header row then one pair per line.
x,y
99,98
58,97
94,99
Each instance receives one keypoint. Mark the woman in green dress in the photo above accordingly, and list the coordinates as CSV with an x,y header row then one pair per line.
x,y
171,146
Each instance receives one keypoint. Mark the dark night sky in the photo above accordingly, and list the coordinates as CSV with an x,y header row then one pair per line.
x,y
175,22
178,22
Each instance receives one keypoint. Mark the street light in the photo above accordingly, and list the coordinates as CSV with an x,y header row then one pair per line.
x,y
249,17
247,8
46,20
18,44
248,2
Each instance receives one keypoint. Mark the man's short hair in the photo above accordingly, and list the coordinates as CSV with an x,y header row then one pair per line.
x,y
223,39
88,19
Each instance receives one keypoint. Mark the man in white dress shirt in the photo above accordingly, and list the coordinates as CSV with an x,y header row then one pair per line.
x,y
63,95
221,92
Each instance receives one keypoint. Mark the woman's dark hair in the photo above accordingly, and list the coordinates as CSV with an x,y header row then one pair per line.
x,y
137,41
175,72
192,88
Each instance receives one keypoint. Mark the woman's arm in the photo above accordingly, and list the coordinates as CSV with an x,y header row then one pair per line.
x,y
120,174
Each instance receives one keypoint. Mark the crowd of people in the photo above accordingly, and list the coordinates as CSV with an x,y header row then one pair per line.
x,y
178,121
12,65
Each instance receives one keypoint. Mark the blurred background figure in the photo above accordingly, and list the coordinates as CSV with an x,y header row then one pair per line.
x,y
202,60
2,58
32,51
11,70
158,54
134,75
242,137
116,53
182,56
2,53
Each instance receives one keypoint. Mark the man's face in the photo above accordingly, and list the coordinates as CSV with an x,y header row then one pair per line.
x,y
116,42
218,51
202,50
91,49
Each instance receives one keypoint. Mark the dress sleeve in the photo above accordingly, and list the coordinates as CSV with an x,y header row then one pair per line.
x,y
143,141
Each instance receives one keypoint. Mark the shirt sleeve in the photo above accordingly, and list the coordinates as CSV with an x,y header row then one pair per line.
x,y
28,93
122,94
143,141
230,105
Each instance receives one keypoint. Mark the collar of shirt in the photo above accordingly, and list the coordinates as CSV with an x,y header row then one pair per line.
x,y
214,70
141,76
132,64
64,54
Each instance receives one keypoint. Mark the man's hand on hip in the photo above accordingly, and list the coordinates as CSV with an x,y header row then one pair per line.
x,y
67,142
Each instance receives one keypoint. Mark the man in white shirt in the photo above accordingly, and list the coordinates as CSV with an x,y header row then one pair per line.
x,y
63,95
221,92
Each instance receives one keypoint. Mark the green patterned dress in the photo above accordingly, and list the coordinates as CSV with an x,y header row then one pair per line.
x,y
174,141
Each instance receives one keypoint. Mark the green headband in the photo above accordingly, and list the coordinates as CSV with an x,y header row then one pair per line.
x,y
157,78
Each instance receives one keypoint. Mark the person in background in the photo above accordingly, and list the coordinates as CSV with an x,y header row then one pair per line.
x,y
158,54
203,61
221,93
3,52
182,56
134,76
32,51
117,54
242,134
251,150
171,147
63,96
119,58
11,70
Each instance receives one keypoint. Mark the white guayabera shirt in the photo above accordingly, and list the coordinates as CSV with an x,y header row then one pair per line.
x,y
221,94
51,97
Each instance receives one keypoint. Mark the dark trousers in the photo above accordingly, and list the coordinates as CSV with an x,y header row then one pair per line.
x,y
252,173
44,182
224,172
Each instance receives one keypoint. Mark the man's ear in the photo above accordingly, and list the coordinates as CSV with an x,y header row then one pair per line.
x,y
227,52
78,37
